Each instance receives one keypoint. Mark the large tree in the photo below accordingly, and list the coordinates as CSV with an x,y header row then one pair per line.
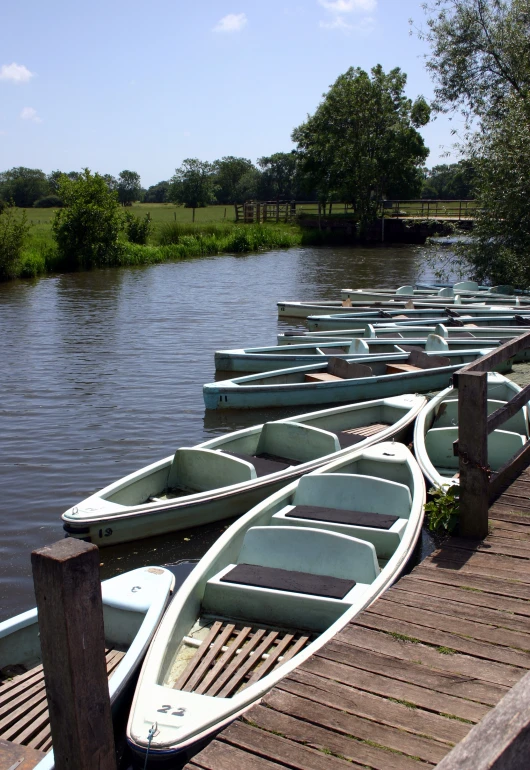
x,y
23,186
228,174
362,140
480,63
279,176
480,54
193,184
129,187
157,193
449,181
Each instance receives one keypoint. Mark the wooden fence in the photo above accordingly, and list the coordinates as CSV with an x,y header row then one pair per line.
x,y
479,485
423,208
285,211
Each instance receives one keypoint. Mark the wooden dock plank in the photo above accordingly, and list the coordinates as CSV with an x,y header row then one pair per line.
x,y
317,737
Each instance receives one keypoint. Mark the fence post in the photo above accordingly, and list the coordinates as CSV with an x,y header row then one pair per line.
x,y
68,591
473,452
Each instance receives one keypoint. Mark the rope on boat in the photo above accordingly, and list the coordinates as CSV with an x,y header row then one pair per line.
x,y
150,736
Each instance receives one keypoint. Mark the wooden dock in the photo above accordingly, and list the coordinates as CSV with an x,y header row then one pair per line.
x,y
408,679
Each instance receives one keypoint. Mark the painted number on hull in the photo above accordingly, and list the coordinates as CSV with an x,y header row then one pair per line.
x,y
178,713
105,532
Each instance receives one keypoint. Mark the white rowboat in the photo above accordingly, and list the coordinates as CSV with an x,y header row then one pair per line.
x,y
275,587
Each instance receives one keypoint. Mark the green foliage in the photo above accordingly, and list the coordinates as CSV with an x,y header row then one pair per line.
x,y
500,249
362,140
49,202
480,54
193,184
279,178
136,229
442,510
228,174
157,193
449,181
129,187
14,230
23,186
86,230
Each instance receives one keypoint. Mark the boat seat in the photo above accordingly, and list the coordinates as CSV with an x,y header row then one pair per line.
x,y
296,441
314,557
289,580
447,416
348,371
348,491
422,360
465,286
360,509
202,469
502,445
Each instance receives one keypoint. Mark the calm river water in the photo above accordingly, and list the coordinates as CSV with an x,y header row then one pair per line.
x,y
101,373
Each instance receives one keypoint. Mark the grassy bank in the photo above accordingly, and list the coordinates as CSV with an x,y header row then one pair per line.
x,y
173,237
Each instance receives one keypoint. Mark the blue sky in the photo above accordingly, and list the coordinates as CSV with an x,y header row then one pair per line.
x,y
116,85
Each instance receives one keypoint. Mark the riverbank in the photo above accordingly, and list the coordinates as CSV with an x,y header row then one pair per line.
x,y
173,237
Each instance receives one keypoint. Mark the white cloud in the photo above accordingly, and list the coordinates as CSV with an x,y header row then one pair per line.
x,y
338,9
348,6
234,22
29,113
16,73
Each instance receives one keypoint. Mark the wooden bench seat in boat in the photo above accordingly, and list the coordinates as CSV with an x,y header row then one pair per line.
x,y
343,499
399,368
321,377
295,549
447,415
289,580
24,717
502,445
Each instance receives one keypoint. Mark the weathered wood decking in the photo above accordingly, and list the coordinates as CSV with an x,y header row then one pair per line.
x,y
408,679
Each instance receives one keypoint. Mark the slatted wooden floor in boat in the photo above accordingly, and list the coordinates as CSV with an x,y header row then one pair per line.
x,y
24,717
404,682
234,655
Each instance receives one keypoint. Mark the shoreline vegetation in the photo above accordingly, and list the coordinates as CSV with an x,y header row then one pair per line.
x,y
172,237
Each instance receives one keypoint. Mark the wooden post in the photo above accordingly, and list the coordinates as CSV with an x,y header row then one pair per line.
x,y
258,213
473,452
68,591
277,211
193,215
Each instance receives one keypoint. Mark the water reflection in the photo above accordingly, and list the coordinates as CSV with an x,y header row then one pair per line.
x,y
102,373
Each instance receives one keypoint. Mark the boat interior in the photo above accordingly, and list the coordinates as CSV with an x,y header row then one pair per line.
x,y
442,432
304,561
274,447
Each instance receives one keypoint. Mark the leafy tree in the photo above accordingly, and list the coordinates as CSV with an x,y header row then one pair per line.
x,y
248,186
48,202
86,230
480,54
480,63
362,140
193,184
129,187
54,179
228,173
111,182
157,193
279,176
23,186
449,181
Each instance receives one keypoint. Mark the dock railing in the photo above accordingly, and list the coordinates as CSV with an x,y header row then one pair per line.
x,y
479,485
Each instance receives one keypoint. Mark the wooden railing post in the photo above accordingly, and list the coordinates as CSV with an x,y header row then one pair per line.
x,y
68,591
473,453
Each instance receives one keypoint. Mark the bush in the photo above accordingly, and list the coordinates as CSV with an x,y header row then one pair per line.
x,y
13,233
136,229
86,230
49,202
